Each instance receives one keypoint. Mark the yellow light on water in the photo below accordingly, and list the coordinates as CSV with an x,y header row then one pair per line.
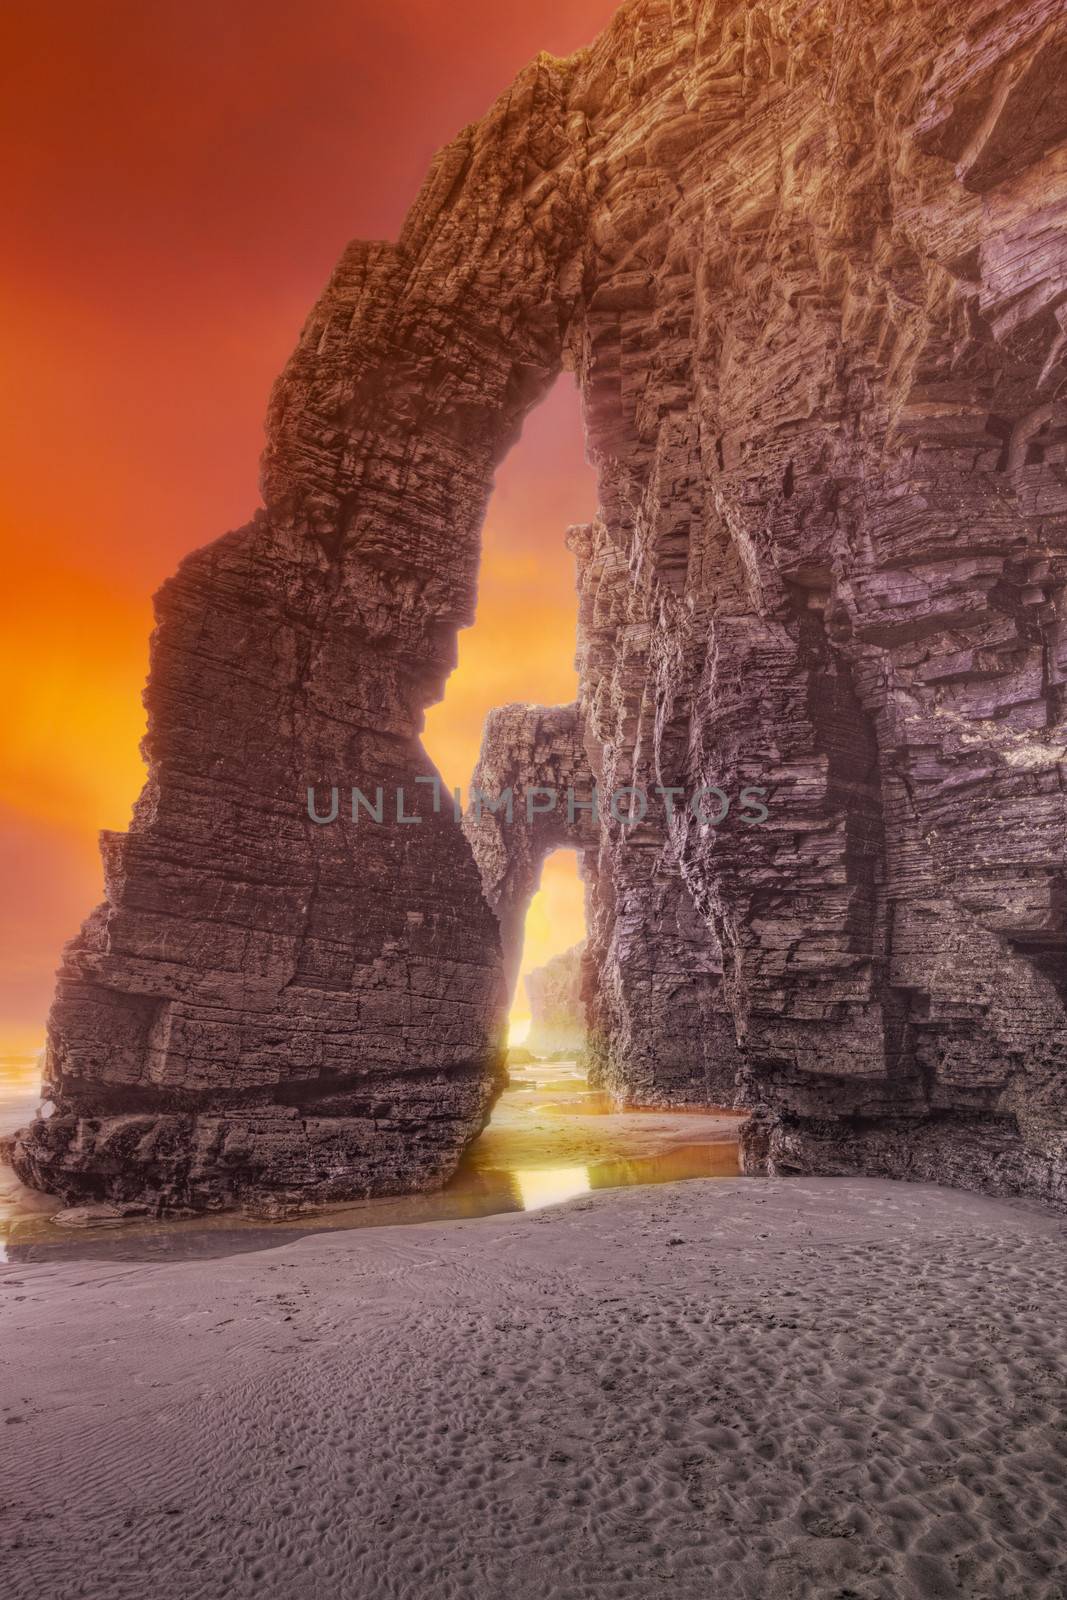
x,y
552,1186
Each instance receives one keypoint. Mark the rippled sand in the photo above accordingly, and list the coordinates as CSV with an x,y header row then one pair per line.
x,y
716,1389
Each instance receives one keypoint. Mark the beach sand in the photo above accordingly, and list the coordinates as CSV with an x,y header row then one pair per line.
x,y
718,1389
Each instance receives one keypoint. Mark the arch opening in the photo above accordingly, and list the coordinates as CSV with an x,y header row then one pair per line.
x,y
547,1014
519,654
521,646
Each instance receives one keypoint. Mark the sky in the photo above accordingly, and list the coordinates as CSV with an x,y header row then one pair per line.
x,y
180,178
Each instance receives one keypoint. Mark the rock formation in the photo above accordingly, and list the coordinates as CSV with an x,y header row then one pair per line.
x,y
557,1010
808,261
659,1028
267,1009
531,794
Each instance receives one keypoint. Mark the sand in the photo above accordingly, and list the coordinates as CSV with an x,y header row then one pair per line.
x,y
719,1388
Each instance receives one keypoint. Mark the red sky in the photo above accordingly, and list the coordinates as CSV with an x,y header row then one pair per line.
x,y
181,178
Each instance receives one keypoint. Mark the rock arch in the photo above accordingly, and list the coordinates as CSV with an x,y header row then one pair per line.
x,y
809,266
531,794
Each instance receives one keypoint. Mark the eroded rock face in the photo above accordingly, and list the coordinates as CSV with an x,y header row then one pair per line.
x,y
659,1030
531,794
557,1010
267,1009
841,576
809,264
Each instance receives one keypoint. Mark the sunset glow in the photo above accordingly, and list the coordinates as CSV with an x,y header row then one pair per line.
x,y
180,182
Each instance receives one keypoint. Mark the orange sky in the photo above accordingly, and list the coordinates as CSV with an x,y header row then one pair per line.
x,y
181,178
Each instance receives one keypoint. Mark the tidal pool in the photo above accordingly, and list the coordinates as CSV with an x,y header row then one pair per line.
x,y
551,1139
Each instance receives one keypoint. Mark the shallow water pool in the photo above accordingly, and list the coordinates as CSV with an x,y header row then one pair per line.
x,y
551,1139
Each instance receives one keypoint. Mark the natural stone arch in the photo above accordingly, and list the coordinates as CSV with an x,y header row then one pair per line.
x,y
265,1008
813,288
659,1027
531,793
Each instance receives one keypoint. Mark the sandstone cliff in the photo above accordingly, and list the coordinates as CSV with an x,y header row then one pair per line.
x,y
808,261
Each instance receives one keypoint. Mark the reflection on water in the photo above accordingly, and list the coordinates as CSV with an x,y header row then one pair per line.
x,y
552,1187
551,1139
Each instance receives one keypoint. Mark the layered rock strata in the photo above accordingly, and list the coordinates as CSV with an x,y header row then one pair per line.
x,y
531,794
659,1030
269,1009
808,262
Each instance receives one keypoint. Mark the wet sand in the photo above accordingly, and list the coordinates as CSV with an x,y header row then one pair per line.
x,y
803,1388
